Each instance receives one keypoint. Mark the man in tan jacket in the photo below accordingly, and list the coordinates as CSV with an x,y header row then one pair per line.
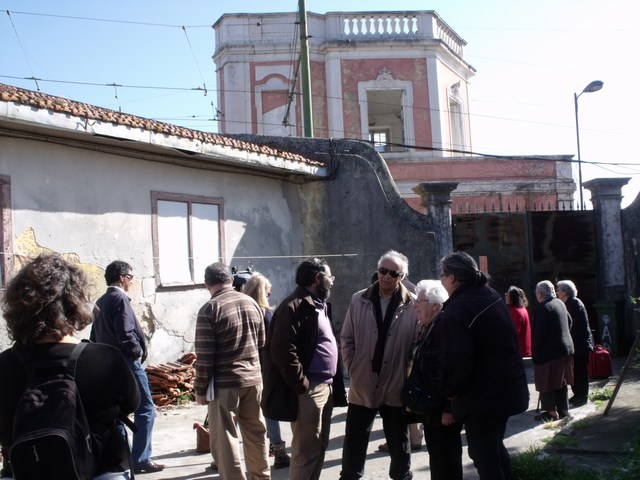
x,y
376,338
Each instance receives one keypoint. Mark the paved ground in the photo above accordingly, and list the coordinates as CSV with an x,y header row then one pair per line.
x,y
590,438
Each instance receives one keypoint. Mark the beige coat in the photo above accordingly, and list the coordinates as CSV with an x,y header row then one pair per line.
x,y
358,342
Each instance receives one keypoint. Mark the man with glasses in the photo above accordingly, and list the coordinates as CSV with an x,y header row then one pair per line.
x,y
302,374
376,338
116,324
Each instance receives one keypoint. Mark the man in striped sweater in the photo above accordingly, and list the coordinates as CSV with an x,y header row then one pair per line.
x,y
229,333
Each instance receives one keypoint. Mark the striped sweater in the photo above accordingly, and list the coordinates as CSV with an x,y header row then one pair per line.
x,y
229,334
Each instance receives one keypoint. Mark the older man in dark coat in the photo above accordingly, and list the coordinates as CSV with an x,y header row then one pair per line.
x,y
552,353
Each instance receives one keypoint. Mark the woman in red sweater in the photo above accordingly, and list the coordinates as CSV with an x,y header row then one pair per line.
x,y
517,301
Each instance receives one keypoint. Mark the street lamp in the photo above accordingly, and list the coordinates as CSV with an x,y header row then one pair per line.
x,y
592,87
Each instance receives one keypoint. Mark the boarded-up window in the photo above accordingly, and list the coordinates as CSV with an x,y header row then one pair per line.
x,y
187,237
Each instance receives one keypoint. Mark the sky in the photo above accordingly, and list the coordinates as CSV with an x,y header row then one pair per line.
x,y
530,57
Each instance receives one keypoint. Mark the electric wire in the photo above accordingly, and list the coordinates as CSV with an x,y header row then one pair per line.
x,y
106,20
24,52
195,59
204,89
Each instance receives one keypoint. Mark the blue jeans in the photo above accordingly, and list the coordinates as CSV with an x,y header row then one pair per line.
x,y
273,431
143,418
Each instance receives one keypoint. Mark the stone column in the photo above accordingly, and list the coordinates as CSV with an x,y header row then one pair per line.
x,y
606,197
436,200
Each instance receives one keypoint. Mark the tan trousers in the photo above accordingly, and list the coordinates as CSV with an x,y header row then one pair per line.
x,y
311,432
233,408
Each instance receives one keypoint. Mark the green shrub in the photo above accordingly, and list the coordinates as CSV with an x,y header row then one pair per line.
x,y
601,394
628,469
533,465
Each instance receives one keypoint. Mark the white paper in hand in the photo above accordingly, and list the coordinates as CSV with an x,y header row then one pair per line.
x,y
211,393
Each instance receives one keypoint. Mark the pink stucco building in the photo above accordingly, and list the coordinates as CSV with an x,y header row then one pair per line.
x,y
398,79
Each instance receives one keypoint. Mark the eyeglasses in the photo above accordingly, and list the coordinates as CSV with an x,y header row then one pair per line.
x,y
444,275
393,273
422,300
128,275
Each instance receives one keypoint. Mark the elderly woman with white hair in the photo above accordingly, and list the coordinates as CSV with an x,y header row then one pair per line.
x,y
442,432
582,340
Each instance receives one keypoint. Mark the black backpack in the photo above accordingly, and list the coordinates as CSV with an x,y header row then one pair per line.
x,y
51,434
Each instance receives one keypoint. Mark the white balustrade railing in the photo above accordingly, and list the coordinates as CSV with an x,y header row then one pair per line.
x,y
380,25
418,25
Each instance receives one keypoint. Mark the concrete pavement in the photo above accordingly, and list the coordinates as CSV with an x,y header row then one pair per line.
x,y
594,439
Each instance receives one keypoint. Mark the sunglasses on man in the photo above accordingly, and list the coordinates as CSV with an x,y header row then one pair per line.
x,y
385,271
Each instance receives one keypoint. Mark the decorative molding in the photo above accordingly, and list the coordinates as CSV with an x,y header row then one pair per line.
x,y
384,76
454,92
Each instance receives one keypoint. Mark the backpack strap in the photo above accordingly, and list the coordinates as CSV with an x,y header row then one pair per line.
x,y
74,357
25,357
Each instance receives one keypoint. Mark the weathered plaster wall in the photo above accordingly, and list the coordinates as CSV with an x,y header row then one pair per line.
x,y
355,217
96,207
630,218
491,183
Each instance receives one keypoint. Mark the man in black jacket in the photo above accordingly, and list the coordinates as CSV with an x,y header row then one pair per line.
x,y
300,366
116,324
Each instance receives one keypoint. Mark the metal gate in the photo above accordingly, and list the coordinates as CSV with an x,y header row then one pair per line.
x,y
524,248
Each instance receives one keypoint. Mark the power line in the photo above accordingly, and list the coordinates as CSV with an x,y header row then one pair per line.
x,y
195,59
96,84
204,89
24,51
183,27
107,20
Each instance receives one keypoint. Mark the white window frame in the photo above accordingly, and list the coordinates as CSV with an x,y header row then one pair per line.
x,y
185,242
374,136
407,108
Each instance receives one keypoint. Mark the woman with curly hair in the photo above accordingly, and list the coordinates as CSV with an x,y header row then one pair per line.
x,y
45,305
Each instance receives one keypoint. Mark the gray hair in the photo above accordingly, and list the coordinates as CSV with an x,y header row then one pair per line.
x,y
546,289
433,290
568,287
217,273
398,258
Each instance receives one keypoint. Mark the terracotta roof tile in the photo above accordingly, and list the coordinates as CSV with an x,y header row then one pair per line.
x,y
10,93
